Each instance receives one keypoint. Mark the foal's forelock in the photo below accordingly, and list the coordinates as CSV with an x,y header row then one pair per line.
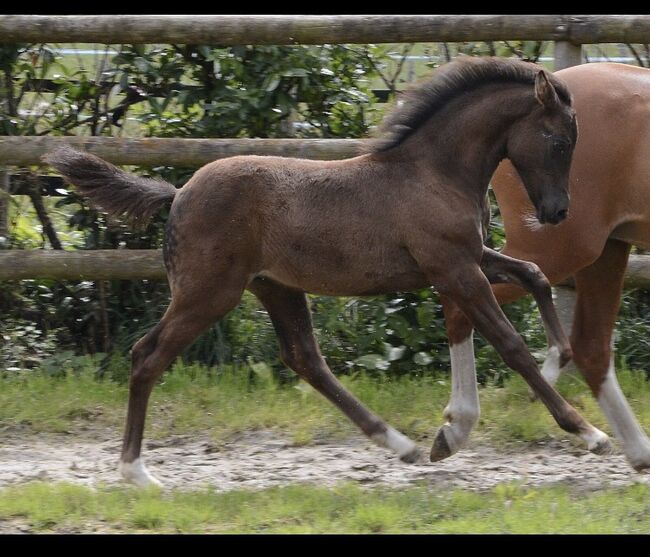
x,y
419,103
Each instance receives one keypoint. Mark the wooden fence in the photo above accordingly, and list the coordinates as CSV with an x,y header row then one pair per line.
x,y
568,31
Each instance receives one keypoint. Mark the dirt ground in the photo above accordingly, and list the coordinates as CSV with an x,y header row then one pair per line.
x,y
262,459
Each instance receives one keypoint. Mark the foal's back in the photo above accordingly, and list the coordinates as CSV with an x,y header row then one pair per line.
x,y
330,227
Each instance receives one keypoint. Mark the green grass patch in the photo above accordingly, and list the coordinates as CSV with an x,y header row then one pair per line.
x,y
346,508
230,400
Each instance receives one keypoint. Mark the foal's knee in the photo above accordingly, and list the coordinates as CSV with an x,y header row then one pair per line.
x,y
536,278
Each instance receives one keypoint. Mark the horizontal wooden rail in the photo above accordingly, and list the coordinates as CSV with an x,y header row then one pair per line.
x,y
27,150
148,264
81,265
321,29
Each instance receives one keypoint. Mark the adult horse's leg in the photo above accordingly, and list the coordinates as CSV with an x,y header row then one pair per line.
x,y
192,310
463,410
599,289
299,350
471,292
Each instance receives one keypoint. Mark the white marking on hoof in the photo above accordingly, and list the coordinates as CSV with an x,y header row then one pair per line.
x,y
463,409
551,368
636,444
136,473
396,442
598,442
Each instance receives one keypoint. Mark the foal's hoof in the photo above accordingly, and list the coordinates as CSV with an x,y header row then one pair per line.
x,y
603,446
440,449
136,473
413,456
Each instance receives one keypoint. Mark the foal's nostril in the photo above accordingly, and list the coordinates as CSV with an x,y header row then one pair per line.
x,y
561,215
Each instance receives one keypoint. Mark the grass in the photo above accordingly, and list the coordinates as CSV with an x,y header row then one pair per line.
x,y
226,401
347,508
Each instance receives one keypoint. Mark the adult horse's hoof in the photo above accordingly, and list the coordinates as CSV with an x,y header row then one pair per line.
x,y
136,473
440,449
640,460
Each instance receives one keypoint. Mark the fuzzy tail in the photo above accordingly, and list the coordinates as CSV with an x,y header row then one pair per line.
x,y
108,187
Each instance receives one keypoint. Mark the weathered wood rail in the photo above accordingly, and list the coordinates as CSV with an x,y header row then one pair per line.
x,y
148,264
23,150
320,29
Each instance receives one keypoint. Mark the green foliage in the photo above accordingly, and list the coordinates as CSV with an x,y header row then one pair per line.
x,y
213,91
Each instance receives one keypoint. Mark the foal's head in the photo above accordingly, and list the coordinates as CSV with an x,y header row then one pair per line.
x,y
541,128
540,146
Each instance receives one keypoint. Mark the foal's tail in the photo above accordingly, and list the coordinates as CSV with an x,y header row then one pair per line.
x,y
110,188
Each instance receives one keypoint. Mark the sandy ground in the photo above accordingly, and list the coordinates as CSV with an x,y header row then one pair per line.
x,y
262,459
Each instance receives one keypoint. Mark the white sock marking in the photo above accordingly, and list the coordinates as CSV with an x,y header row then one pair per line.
x,y
621,417
395,441
136,472
551,368
463,409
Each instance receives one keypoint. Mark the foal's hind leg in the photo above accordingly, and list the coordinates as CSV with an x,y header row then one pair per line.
x,y
192,310
470,290
299,350
599,288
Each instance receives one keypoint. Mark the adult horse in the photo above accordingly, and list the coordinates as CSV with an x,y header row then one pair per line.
x,y
403,216
610,210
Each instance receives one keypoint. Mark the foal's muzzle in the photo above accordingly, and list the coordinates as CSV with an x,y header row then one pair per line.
x,y
553,212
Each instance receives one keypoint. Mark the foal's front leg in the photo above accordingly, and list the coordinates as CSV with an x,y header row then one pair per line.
x,y
499,268
469,289
462,412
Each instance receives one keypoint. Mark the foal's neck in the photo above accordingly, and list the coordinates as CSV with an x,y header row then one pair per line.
x,y
466,140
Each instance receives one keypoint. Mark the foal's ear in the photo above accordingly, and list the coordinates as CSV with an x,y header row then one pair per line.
x,y
544,90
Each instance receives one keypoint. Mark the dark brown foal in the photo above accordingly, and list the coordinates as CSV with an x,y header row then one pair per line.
x,y
404,216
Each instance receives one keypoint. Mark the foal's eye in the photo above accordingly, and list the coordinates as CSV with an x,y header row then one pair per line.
x,y
560,146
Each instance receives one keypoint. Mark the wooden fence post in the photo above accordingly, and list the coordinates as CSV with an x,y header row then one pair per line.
x,y
567,54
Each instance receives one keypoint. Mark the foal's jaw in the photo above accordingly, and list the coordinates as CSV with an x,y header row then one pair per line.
x,y
136,473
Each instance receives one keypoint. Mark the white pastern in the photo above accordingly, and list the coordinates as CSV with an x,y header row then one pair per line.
x,y
597,441
136,472
463,409
395,441
551,368
621,417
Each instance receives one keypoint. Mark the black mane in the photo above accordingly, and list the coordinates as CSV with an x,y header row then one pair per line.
x,y
448,81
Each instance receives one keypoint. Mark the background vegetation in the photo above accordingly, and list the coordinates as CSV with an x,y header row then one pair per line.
x,y
206,91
